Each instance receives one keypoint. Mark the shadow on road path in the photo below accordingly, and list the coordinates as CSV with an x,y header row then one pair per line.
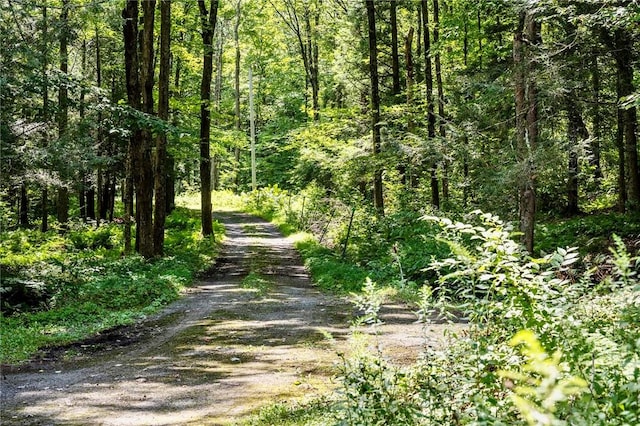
x,y
212,357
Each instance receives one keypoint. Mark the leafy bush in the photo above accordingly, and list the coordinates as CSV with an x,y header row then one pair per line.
x,y
538,349
85,285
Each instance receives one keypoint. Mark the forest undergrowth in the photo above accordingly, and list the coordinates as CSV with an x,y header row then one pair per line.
x,y
552,339
61,287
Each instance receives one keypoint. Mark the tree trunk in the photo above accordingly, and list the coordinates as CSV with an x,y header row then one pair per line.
x,y
576,133
378,200
130,31
236,39
623,54
312,52
441,115
526,36
143,165
395,61
594,160
208,23
431,118
408,55
24,206
622,178
160,207
63,108
99,134
44,225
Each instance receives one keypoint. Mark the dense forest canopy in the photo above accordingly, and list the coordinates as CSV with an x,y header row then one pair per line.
x,y
517,107
476,159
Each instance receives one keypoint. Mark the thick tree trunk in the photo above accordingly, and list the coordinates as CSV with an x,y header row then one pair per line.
x,y
431,117
527,35
143,165
378,200
160,207
130,31
63,108
208,23
395,61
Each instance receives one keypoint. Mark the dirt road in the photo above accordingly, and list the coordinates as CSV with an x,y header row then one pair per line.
x,y
234,343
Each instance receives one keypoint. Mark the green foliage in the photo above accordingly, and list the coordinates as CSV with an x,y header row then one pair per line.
x,y
538,349
257,282
59,288
591,232
377,393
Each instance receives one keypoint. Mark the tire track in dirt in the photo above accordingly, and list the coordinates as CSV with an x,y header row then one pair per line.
x,y
212,357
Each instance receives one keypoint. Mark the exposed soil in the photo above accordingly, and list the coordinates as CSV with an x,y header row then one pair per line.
x,y
213,357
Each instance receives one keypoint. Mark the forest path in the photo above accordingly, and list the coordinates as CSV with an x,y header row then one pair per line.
x,y
231,345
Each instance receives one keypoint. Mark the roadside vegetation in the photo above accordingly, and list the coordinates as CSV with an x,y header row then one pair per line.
x,y
552,339
62,287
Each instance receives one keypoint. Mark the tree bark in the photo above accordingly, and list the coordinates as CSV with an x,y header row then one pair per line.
x,y
160,184
143,164
99,134
63,108
130,32
594,160
24,206
440,91
576,133
408,55
431,117
378,200
236,39
395,61
623,54
44,225
208,23
526,36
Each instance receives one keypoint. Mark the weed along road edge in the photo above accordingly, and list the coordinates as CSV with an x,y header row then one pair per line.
x,y
255,332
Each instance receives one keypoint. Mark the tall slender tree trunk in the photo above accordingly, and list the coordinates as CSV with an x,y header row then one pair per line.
x,y
63,108
576,133
99,134
44,225
378,200
160,208
623,54
441,114
395,61
312,59
130,31
236,39
431,117
208,23
527,36
622,178
24,206
408,56
594,160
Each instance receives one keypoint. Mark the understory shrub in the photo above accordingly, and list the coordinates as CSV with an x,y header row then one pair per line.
x,y
539,348
85,285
